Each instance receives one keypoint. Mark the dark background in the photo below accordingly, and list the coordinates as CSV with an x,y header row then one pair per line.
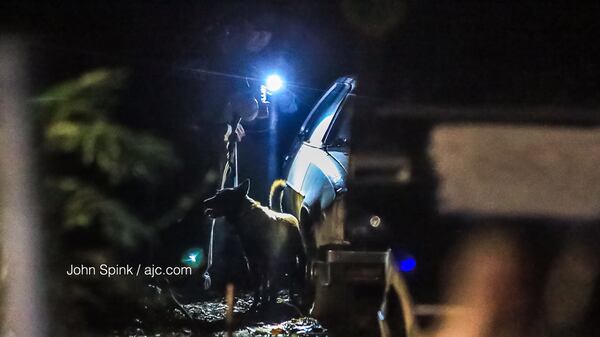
x,y
459,53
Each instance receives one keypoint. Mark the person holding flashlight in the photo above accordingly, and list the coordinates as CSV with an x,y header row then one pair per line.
x,y
241,107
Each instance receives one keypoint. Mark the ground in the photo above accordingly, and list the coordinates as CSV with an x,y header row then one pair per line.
x,y
208,319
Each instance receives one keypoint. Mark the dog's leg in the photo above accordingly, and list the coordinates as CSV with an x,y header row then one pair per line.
x,y
256,287
264,285
292,281
301,291
253,282
256,296
295,278
273,281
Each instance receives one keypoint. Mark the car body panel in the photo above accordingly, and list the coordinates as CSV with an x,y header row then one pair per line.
x,y
312,170
341,156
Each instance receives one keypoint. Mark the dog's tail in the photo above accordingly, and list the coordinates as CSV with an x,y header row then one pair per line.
x,y
276,195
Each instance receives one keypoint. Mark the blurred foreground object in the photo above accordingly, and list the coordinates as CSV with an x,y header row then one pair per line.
x,y
498,205
21,262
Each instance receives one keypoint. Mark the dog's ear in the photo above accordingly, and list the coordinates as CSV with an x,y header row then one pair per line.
x,y
244,187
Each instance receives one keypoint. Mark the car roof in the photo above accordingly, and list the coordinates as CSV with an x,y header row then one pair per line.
x,y
348,79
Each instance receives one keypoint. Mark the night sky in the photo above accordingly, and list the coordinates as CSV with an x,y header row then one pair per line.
x,y
428,50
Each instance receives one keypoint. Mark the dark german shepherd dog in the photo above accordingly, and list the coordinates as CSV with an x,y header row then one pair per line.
x,y
271,241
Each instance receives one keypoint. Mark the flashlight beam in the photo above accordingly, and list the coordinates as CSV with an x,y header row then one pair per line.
x,y
274,83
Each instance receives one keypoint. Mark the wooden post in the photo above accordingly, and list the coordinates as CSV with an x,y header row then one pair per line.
x,y
229,300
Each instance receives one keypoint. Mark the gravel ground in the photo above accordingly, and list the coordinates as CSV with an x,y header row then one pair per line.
x,y
208,319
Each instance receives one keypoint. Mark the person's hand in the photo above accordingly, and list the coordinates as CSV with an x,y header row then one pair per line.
x,y
240,132
237,135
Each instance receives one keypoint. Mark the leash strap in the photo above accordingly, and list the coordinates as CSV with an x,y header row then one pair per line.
x,y
207,280
231,159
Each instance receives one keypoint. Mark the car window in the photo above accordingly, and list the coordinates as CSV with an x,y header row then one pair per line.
x,y
339,136
318,122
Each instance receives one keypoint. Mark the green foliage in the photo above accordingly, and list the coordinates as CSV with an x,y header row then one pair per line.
x,y
76,119
93,167
116,151
86,205
90,97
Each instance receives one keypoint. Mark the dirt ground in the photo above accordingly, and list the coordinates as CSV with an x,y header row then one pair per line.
x,y
208,319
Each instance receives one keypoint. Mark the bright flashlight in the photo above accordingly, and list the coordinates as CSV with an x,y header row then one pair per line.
x,y
274,83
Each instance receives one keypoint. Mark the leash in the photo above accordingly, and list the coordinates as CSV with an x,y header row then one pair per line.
x,y
232,157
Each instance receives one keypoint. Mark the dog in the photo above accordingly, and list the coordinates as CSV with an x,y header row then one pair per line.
x,y
271,241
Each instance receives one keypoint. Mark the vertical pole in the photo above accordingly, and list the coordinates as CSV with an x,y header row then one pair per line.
x,y
20,234
233,157
235,164
273,150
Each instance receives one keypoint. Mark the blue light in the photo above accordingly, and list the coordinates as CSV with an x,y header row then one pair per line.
x,y
274,83
193,257
407,264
